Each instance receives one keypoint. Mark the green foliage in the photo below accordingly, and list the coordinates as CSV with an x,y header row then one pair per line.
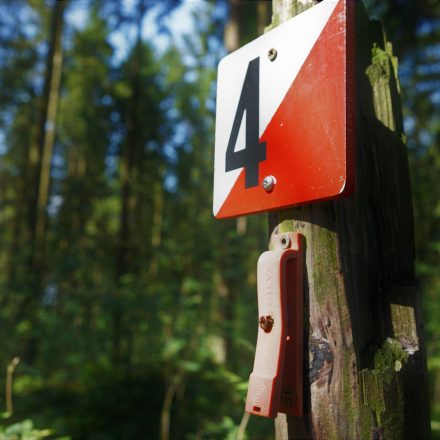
x,y
25,430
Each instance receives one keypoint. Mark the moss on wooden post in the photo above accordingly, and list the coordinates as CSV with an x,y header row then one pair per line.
x,y
365,376
382,390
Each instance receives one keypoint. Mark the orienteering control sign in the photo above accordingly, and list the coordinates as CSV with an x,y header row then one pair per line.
x,y
285,115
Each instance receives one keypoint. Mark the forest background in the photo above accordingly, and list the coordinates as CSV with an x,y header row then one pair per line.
x,y
126,310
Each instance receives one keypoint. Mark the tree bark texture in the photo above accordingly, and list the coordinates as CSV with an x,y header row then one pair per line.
x,y
365,376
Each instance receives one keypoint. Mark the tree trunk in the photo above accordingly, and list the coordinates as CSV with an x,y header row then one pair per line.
x,y
365,376
157,225
129,164
38,180
41,151
232,42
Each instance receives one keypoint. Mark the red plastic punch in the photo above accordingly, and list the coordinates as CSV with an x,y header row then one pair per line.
x,y
275,384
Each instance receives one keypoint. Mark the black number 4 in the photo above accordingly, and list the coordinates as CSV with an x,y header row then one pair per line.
x,y
254,152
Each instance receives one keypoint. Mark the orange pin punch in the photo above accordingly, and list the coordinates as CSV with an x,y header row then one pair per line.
x,y
275,384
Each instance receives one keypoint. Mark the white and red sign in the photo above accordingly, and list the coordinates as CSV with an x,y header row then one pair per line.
x,y
285,110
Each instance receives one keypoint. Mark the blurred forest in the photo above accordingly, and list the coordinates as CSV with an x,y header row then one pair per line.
x,y
127,311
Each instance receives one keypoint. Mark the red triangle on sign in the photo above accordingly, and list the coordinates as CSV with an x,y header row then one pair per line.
x,y
307,136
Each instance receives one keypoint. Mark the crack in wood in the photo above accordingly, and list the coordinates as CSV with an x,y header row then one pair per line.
x,y
322,360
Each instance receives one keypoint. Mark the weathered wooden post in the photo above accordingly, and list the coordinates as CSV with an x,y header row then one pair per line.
x,y
365,376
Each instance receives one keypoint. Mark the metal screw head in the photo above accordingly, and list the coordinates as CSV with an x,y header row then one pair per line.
x,y
285,241
266,323
268,183
272,54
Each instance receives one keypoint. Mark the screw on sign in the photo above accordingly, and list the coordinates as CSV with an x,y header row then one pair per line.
x,y
272,54
285,115
269,183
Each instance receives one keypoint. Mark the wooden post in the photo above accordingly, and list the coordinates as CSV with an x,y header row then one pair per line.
x,y
365,374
